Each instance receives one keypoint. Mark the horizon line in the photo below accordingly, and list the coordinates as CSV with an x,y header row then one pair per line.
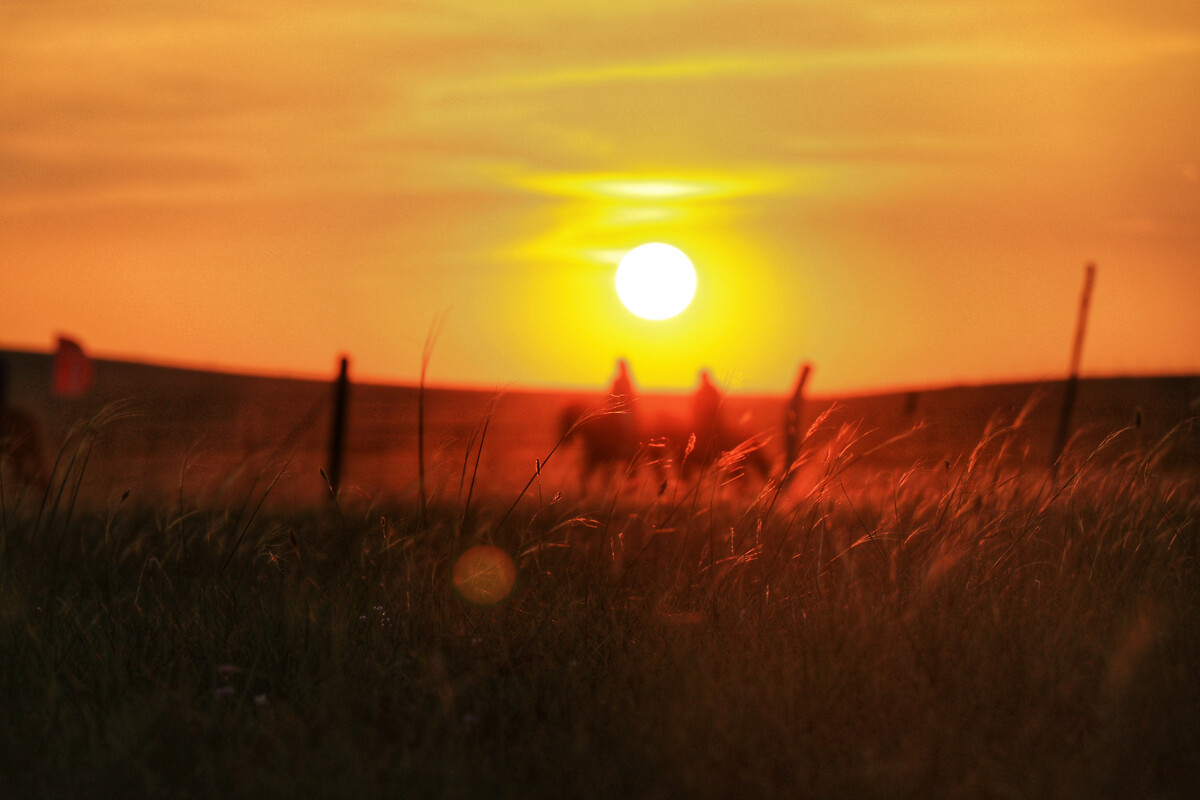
x,y
570,388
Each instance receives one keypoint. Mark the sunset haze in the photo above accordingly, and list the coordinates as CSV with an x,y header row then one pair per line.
x,y
902,194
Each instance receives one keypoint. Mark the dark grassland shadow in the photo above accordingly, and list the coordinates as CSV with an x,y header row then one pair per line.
x,y
965,626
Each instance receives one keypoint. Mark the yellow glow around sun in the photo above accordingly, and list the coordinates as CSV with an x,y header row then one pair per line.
x,y
656,281
567,270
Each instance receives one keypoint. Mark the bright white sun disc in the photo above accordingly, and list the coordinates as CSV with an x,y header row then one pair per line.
x,y
656,281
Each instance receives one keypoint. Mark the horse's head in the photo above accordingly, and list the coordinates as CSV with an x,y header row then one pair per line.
x,y
567,419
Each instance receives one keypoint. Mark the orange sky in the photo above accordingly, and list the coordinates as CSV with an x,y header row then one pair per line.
x,y
903,193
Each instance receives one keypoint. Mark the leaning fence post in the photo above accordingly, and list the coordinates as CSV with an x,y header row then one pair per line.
x,y
1072,387
792,420
338,432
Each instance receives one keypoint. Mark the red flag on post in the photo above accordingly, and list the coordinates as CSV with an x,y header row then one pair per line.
x,y
72,369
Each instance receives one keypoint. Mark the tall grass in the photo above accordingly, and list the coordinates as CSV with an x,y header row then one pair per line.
x,y
966,628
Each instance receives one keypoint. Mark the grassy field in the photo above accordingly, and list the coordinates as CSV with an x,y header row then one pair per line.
x,y
209,436
938,623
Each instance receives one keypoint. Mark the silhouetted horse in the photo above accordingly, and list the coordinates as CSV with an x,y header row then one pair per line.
x,y
608,444
20,449
607,440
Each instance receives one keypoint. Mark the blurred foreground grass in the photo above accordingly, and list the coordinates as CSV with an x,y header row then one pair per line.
x,y
975,629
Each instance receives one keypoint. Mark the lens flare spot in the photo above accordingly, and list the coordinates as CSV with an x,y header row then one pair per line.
x,y
484,575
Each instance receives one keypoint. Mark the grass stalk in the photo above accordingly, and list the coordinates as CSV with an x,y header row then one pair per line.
x,y
426,354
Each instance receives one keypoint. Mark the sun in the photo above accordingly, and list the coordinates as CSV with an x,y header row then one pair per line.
x,y
656,281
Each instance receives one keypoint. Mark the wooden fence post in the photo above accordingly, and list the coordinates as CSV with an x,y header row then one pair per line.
x,y
1072,386
338,432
